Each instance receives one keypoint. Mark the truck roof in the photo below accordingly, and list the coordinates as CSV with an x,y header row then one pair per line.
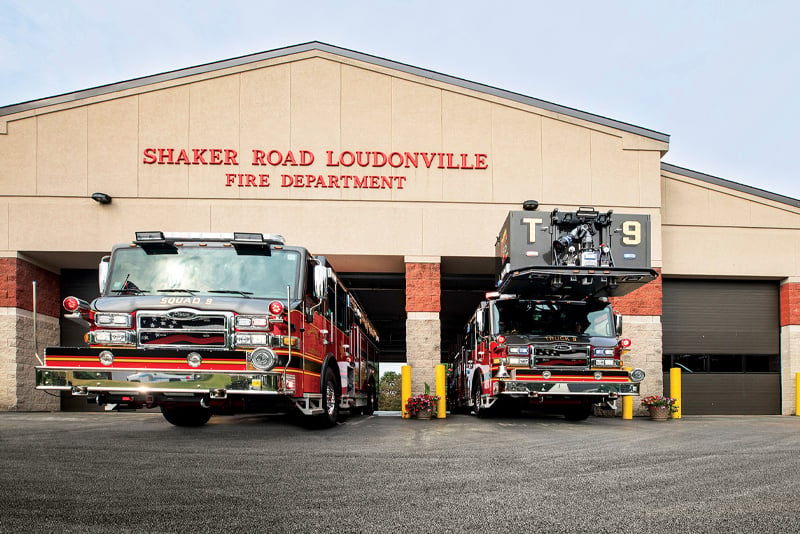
x,y
274,239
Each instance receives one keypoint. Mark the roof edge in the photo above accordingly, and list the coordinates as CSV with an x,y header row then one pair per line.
x,y
769,195
344,52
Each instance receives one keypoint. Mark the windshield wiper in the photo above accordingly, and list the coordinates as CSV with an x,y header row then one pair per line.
x,y
190,291
129,287
245,294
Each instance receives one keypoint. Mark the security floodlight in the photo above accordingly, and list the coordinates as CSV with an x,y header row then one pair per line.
x,y
102,198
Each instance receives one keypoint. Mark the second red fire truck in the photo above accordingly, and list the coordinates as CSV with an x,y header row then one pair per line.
x,y
547,337
202,324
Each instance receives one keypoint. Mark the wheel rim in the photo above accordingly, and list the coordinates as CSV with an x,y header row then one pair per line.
x,y
476,400
330,399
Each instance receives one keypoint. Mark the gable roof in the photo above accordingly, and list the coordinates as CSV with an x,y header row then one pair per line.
x,y
351,54
730,185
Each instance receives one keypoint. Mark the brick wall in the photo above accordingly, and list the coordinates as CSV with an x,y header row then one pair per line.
x,y
644,301
423,327
423,287
17,347
16,287
790,304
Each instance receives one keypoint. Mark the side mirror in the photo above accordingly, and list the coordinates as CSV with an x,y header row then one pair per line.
x,y
320,282
479,322
618,323
102,273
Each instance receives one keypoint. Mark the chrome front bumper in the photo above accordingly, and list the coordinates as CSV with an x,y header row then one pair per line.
x,y
565,388
91,381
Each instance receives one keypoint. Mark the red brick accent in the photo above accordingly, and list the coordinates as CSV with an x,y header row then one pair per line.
x,y
423,287
644,301
790,304
16,287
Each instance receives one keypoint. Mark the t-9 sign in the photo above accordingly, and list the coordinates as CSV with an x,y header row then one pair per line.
x,y
585,238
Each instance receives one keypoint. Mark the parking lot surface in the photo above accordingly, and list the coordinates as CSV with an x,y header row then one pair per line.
x,y
133,472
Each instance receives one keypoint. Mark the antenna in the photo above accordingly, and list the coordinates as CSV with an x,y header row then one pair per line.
x,y
35,338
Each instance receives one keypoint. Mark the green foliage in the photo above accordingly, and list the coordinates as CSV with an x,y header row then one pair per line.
x,y
389,398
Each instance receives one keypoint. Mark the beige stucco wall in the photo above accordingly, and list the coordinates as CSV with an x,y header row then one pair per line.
x,y
53,158
710,230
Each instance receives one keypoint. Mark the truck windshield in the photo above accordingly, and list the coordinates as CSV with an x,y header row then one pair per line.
x,y
534,317
191,270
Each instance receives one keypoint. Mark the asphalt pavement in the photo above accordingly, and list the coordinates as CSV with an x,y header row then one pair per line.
x,y
133,472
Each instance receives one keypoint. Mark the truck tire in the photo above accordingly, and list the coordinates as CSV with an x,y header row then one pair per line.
x,y
580,412
477,391
186,415
331,400
372,399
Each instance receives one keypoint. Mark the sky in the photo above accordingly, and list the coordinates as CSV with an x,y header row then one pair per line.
x,y
720,77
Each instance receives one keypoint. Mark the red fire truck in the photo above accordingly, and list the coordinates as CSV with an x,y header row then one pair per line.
x,y
547,337
203,324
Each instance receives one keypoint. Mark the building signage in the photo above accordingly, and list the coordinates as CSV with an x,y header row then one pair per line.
x,y
376,169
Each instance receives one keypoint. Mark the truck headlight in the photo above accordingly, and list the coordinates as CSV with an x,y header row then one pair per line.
x,y
252,340
113,320
111,337
255,322
605,362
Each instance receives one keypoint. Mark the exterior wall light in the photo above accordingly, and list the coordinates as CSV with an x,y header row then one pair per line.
x,y
102,198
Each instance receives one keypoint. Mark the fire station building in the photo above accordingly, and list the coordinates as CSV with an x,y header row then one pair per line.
x,y
402,177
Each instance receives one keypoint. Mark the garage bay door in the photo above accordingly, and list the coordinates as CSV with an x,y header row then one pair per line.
x,y
725,336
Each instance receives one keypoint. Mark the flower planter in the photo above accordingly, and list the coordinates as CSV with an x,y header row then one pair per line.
x,y
424,414
659,413
421,406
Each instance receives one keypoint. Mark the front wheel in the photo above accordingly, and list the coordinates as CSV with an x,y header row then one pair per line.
x,y
477,392
186,415
331,399
580,412
372,399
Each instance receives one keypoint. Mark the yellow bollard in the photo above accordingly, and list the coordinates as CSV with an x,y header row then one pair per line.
x,y
675,390
405,388
441,392
797,394
627,407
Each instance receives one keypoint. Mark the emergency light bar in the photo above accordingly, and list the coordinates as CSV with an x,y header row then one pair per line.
x,y
587,213
248,238
150,237
242,237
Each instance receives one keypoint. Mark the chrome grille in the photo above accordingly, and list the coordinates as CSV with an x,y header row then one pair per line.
x,y
188,329
561,355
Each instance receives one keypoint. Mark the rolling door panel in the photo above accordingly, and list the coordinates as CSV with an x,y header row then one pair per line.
x,y
719,322
729,393
720,317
